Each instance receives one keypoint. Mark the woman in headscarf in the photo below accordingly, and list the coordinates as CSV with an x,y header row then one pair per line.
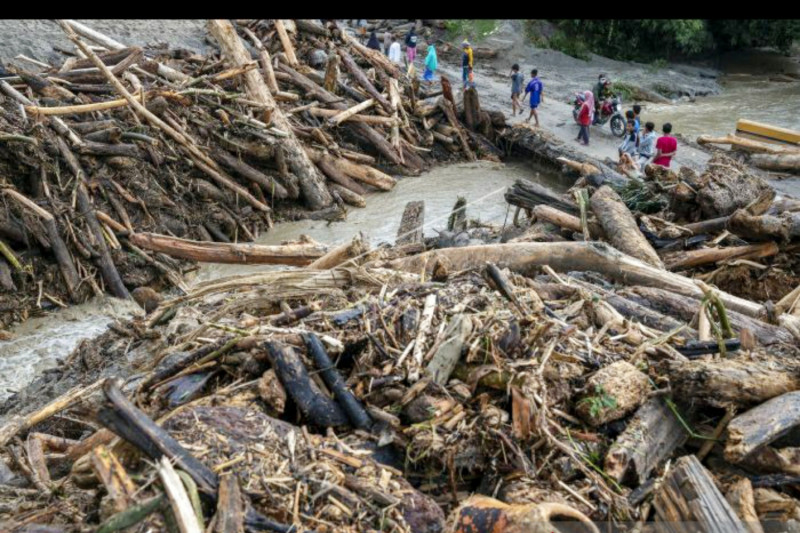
x,y
585,117
431,64
411,45
373,41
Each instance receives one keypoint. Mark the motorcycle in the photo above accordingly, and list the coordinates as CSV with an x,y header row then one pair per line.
x,y
610,111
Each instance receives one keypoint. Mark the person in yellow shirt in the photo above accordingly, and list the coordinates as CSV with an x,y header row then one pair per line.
x,y
466,62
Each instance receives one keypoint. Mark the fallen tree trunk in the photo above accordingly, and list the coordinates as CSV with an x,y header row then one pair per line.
x,y
688,495
684,309
270,186
362,173
341,254
694,258
620,227
790,162
362,80
747,145
761,425
312,183
564,220
765,227
230,253
527,194
411,224
721,383
566,256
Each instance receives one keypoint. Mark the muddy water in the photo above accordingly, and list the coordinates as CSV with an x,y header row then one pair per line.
x,y
41,343
482,183
743,96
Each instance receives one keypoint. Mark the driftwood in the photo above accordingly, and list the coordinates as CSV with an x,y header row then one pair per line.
x,y
765,227
621,381
311,181
411,224
239,253
566,256
362,80
786,162
318,407
694,258
565,220
269,184
688,495
528,194
720,383
747,145
349,403
650,437
357,171
620,227
762,425
740,497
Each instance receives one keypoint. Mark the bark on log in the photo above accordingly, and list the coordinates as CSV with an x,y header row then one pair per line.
x,y
366,119
340,117
747,145
762,425
411,224
270,185
740,497
564,220
286,42
620,227
335,174
340,254
566,256
362,80
789,162
694,258
684,309
472,108
362,173
688,495
311,181
721,383
765,227
352,407
528,195
449,112
712,225
316,406
651,436
349,197
230,253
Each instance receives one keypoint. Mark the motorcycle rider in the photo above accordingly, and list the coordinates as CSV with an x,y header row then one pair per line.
x,y
602,90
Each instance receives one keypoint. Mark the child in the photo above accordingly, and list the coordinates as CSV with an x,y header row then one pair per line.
x,y
628,145
535,89
431,64
466,62
585,117
516,89
637,109
647,144
666,147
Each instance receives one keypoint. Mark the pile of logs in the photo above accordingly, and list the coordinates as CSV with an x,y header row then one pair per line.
x,y
118,140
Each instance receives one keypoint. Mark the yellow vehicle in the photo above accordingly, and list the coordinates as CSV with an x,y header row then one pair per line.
x,y
766,133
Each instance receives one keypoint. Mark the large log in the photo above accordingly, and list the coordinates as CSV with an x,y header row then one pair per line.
x,y
529,194
739,382
765,227
620,227
747,145
566,256
359,172
761,425
269,184
230,253
362,80
694,258
790,162
375,120
564,220
684,309
650,437
688,495
312,183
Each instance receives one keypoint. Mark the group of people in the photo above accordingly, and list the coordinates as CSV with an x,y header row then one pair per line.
x,y
640,147
534,87
393,50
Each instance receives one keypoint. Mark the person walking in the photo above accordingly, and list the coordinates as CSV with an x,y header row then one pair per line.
x,y
535,89
585,118
516,89
666,147
431,64
387,42
647,144
466,62
411,45
373,41
395,53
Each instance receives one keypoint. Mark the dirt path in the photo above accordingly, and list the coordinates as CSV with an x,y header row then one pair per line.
x,y
555,116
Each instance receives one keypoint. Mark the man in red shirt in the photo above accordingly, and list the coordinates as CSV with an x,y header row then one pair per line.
x,y
666,146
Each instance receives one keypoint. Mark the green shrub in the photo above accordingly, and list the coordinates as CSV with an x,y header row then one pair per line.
x,y
473,29
572,46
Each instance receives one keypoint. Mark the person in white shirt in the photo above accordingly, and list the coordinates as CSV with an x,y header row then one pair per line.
x,y
395,53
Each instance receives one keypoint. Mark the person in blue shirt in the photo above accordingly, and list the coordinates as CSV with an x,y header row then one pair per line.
x,y
535,89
